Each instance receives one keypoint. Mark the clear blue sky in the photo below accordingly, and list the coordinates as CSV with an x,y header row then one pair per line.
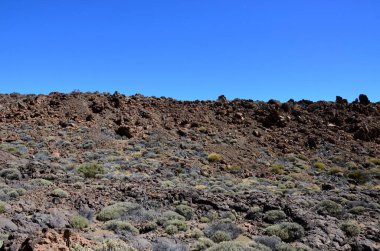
x,y
193,49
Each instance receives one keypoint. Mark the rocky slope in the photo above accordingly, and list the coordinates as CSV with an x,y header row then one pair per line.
x,y
92,171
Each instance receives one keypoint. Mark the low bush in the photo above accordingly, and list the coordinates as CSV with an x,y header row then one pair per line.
x,y
230,228
41,182
375,161
329,207
185,211
196,233
108,245
149,226
117,211
203,244
117,225
220,236
269,241
228,216
214,157
350,228
255,246
293,247
79,222
234,169
10,174
90,170
253,213
204,219
359,176
357,210
114,245
60,193
162,244
335,170
170,215
181,225
238,246
274,216
2,207
229,246
277,168
171,229
319,165
287,231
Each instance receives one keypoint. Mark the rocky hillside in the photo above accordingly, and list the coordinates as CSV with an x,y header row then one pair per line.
x,y
92,171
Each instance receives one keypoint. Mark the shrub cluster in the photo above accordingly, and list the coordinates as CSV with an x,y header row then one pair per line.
x,y
90,170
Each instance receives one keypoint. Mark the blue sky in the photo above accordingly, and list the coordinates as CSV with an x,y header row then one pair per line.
x,y
193,49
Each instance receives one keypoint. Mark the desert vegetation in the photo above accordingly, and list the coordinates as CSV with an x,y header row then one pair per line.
x,y
100,171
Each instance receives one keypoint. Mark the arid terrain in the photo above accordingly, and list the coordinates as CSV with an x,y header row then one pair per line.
x,y
100,171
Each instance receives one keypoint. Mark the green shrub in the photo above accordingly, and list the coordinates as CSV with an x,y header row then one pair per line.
x,y
228,216
374,172
79,222
170,215
220,236
41,182
78,185
375,161
196,233
287,185
90,170
108,245
214,157
114,245
357,210
10,174
329,207
293,247
185,211
117,225
319,165
350,228
253,213
274,216
150,226
2,207
254,246
204,219
117,210
335,170
203,244
277,168
79,247
287,231
212,215
230,228
13,194
230,246
359,176
13,150
270,241
234,169
181,225
171,229
20,191
60,193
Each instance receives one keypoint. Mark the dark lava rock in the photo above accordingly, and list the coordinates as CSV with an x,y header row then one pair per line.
x,y
363,99
327,187
97,107
340,100
124,131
